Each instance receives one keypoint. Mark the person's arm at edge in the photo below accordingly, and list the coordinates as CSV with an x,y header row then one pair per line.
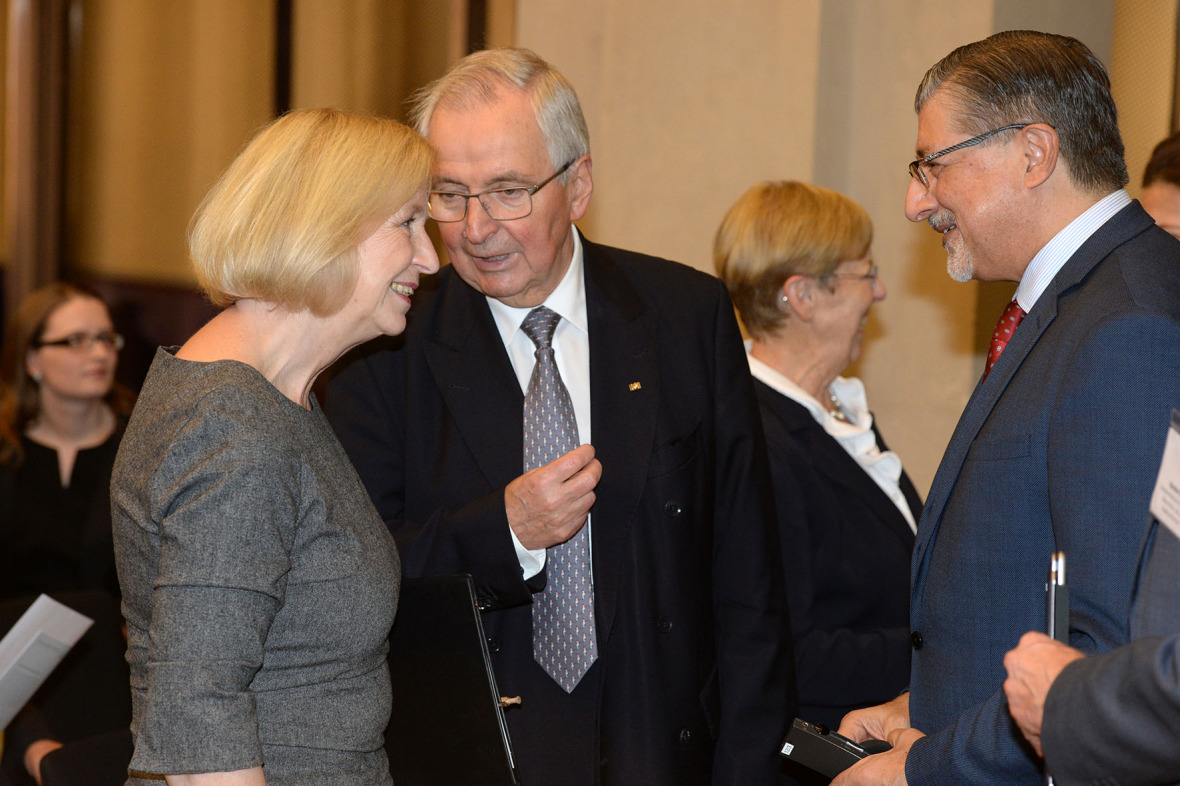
x,y
753,627
1130,700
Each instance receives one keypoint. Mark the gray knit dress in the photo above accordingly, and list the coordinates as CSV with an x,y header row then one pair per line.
x,y
259,584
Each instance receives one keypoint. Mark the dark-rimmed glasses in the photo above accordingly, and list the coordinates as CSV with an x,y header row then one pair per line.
x,y
83,341
501,204
916,167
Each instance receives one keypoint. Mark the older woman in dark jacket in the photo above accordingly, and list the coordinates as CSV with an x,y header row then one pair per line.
x,y
796,259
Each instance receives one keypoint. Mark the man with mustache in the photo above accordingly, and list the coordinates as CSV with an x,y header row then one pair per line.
x,y
1020,168
647,540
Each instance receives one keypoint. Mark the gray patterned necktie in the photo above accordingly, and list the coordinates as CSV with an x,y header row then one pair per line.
x,y
564,642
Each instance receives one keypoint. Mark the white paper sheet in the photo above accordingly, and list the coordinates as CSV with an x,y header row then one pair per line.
x,y
33,648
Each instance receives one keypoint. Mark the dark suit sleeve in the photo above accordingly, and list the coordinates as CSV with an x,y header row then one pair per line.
x,y
1112,718
1105,438
755,663
367,407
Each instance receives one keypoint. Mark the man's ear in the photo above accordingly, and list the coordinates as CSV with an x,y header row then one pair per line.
x,y
580,187
1041,151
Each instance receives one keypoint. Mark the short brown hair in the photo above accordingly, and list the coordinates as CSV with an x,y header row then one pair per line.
x,y
778,229
1164,165
283,222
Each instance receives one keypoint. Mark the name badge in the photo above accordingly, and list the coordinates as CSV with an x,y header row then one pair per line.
x,y
1165,500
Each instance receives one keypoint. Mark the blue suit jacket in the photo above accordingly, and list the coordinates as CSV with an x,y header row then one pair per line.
x,y
693,638
1058,449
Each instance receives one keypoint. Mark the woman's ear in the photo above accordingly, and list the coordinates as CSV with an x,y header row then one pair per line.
x,y
798,296
32,367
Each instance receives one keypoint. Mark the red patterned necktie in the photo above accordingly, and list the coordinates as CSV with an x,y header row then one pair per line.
x,y
1009,321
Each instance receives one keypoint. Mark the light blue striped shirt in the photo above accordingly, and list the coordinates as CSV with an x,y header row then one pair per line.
x,y
1057,251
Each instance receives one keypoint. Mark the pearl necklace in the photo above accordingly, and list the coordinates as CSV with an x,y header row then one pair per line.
x,y
838,411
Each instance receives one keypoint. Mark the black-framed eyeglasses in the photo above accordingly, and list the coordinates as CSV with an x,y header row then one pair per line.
x,y
870,276
84,341
501,204
917,172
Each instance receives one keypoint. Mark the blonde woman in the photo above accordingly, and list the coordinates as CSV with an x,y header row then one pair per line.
x,y
259,583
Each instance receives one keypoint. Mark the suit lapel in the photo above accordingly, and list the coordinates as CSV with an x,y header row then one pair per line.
x,y
475,377
983,400
833,462
1125,224
623,352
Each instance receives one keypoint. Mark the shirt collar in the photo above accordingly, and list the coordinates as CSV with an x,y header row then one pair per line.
x,y
1053,256
568,299
850,392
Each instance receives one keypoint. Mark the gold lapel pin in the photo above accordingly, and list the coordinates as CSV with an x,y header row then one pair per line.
x,y
634,386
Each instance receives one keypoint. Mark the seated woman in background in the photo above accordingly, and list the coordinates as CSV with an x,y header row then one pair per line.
x,y
259,583
61,418
797,263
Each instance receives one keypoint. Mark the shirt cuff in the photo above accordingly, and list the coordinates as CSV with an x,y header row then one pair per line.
x,y
532,561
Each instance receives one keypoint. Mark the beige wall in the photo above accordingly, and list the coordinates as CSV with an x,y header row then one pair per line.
x,y
687,110
368,55
168,94
1142,70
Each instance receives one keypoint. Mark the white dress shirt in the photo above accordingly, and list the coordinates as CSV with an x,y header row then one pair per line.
x,y
571,349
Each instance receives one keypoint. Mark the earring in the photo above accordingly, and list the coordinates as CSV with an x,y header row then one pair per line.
x,y
785,299
37,376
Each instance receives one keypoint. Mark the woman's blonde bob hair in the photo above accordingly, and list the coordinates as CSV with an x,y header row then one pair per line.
x,y
283,222
778,229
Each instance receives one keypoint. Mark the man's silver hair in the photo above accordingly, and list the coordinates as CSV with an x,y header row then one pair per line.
x,y
479,77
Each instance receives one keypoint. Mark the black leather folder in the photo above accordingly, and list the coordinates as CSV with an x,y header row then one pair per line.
x,y
447,725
